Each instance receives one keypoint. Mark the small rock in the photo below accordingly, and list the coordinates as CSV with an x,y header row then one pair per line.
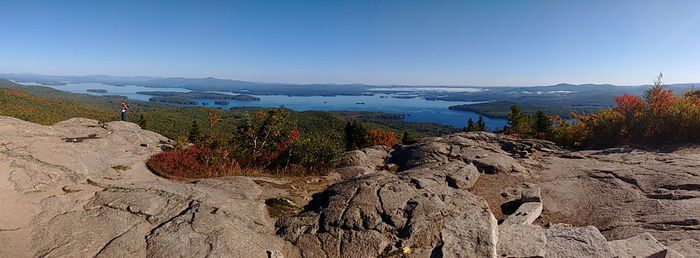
x,y
526,214
312,180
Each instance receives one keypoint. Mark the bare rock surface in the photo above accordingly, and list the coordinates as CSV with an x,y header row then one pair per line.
x,y
427,208
627,192
566,241
623,192
80,188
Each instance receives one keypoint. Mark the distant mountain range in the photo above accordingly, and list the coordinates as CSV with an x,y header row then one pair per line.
x,y
556,99
211,83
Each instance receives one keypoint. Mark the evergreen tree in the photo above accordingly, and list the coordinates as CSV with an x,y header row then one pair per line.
x,y
142,121
517,123
195,132
355,133
480,124
470,125
543,124
515,117
407,138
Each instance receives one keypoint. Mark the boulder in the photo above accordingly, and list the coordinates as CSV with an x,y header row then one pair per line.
x,y
377,214
521,241
354,158
490,153
566,241
456,174
473,234
643,245
371,157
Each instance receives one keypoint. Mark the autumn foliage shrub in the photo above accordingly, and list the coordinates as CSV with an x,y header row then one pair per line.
x,y
194,162
658,117
381,137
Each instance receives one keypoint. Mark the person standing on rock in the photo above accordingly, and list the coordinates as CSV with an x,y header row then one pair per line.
x,y
125,107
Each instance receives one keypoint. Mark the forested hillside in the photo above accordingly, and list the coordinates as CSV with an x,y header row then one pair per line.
x,y
25,106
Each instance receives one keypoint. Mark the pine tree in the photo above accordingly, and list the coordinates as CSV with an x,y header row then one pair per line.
x,y
470,125
480,124
543,124
355,133
404,139
407,138
518,123
195,132
142,121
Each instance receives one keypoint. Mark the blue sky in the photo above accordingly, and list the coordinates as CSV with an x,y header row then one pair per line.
x,y
493,43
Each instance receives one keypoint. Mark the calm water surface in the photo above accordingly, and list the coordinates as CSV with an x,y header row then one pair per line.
x,y
416,109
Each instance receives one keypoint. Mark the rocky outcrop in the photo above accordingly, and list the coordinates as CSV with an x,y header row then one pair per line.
x,y
427,208
80,188
430,207
627,192
490,153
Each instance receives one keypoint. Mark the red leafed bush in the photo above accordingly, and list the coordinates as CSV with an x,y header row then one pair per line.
x,y
194,162
381,137
660,100
628,104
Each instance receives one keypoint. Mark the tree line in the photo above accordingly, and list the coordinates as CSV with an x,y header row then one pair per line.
x,y
656,118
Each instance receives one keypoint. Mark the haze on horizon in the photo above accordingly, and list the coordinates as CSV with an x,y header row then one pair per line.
x,y
475,43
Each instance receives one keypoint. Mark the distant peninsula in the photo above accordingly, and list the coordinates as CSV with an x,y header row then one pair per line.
x,y
189,98
97,90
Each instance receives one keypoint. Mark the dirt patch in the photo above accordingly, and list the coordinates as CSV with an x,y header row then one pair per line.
x,y
281,207
490,186
295,192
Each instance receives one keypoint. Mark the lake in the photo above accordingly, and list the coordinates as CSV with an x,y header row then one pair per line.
x,y
416,109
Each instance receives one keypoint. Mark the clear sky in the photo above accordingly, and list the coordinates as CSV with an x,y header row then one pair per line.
x,y
380,42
